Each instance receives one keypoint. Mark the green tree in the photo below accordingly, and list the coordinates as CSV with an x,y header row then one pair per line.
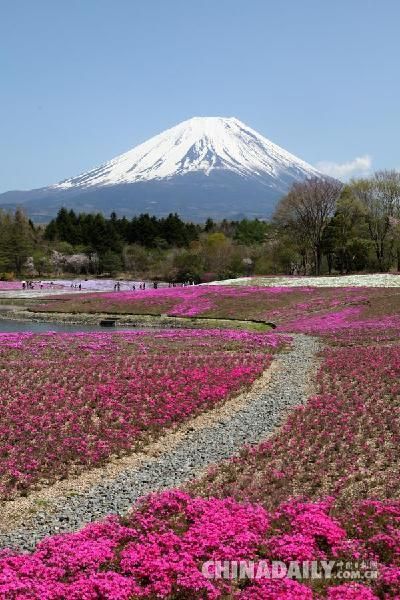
x,y
41,261
20,241
5,241
136,259
345,242
111,263
188,266
209,225
380,198
251,232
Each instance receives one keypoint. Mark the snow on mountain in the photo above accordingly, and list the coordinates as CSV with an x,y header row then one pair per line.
x,y
200,144
204,167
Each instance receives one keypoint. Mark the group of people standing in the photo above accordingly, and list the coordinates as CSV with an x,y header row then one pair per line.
x,y
142,286
30,285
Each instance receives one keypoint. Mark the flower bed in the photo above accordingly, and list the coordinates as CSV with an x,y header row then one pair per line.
x,y
369,280
345,440
10,285
69,401
343,443
333,321
326,486
159,551
277,304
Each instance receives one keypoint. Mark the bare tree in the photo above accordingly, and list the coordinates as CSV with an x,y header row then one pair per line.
x,y
380,197
305,212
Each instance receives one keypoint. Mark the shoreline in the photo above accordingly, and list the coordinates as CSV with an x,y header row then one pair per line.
x,y
133,320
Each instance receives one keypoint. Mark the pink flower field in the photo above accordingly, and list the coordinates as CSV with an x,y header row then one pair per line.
x,y
325,486
9,285
159,551
276,304
305,310
344,442
70,401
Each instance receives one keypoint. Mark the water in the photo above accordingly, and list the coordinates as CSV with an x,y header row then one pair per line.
x,y
10,326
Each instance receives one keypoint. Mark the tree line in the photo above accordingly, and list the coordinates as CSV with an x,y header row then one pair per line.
x,y
145,246
320,226
100,234
324,224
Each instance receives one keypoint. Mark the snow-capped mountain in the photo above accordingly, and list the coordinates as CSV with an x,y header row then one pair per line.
x,y
201,144
205,166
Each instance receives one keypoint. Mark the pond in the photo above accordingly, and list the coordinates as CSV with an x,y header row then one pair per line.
x,y
11,326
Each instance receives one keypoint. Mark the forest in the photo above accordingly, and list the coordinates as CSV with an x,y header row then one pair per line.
x,y
320,227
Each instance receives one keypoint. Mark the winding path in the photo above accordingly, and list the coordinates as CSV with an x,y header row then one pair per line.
x,y
289,385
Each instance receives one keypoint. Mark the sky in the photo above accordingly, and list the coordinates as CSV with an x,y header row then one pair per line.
x,y
82,81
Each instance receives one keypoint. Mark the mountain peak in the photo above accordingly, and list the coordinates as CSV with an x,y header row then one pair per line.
x,y
199,144
203,167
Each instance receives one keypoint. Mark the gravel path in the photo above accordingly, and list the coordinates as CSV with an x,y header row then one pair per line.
x,y
289,385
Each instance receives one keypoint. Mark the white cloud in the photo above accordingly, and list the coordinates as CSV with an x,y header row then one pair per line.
x,y
358,167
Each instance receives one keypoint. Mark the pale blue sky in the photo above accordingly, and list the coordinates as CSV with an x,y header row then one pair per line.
x,y
84,80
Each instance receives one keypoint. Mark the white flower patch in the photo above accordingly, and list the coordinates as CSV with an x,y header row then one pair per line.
x,y
373,280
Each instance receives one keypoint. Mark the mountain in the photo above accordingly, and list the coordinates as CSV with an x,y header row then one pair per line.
x,y
204,167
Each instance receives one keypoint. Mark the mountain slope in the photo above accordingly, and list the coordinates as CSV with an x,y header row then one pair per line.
x,y
206,166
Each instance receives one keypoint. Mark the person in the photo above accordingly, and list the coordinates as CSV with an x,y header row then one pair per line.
x,y
41,285
134,287
80,287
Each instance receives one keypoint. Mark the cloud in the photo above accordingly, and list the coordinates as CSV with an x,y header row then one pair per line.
x,y
359,166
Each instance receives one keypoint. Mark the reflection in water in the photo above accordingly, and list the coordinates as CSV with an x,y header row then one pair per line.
x,y
9,326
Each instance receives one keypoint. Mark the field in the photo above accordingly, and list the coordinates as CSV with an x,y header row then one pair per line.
x,y
391,280
272,304
156,551
343,443
70,401
324,486
10,285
